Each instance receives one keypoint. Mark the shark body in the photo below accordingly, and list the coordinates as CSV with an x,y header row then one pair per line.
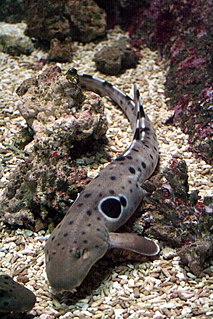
x,y
88,229
14,297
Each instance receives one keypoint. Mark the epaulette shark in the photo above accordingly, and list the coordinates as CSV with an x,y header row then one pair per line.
x,y
14,297
88,229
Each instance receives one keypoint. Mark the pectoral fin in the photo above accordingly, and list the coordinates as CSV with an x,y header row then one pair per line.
x,y
134,242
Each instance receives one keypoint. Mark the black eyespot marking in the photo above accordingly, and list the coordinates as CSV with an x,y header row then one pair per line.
x,y
113,178
88,225
139,169
87,195
135,149
143,165
155,148
98,229
100,194
85,241
132,170
88,212
58,244
111,191
111,207
83,233
52,238
123,201
146,145
131,190
120,158
65,234
71,222
130,182
98,218
129,157
151,156
123,187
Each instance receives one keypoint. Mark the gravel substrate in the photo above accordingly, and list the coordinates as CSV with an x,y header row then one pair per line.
x,y
154,289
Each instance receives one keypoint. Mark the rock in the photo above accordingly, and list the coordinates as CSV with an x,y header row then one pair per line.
x,y
88,20
12,39
178,218
12,11
108,60
60,51
116,58
41,190
63,124
195,254
52,107
80,20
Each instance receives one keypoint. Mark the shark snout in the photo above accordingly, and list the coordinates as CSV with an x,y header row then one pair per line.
x,y
67,271
60,284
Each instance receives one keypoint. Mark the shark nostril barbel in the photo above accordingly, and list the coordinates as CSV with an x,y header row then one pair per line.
x,y
107,202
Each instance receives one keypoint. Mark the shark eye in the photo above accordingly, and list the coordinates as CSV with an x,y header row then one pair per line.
x,y
78,253
84,253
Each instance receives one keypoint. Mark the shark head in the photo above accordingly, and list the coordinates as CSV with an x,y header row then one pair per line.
x,y
14,297
71,251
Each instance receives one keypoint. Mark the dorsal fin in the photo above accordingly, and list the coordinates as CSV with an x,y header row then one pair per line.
x,y
141,127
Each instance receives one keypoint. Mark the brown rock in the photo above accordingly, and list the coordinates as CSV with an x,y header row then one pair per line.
x,y
60,51
88,21
62,121
116,58
80,20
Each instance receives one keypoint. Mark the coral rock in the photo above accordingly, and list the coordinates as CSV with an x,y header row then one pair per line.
x,y
178,218
62,121
80,20
116,58
13,40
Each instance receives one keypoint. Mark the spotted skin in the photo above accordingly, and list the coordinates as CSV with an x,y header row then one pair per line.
x,y
14,297
88,229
